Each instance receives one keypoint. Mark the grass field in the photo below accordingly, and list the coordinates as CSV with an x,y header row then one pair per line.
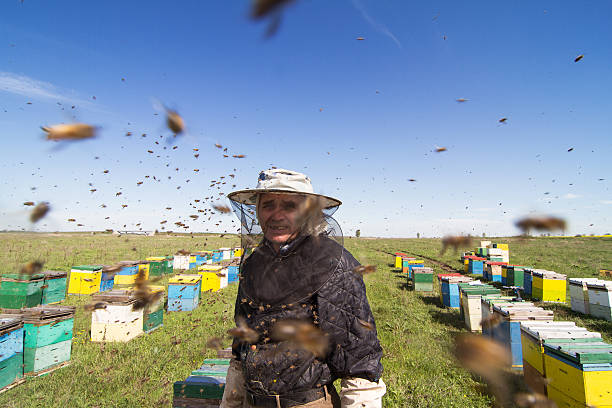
x,y
415,331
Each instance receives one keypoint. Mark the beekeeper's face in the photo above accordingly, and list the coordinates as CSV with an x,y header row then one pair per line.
x,y
277,214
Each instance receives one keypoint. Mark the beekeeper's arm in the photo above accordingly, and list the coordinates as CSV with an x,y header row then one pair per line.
x,y
233,395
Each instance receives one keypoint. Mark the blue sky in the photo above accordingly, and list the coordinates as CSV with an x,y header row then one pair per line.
x,y
361,118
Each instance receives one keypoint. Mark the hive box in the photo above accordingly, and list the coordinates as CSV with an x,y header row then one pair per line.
x,y
169,265
548,286
422,279
580,374
236,252
579,294
157,265
508,332
493,271
414,263
514,275
11,350
470,294
232,269
600,299
406,264
214,277
127,274
143,269
47,341
184,292
486,309
181,263
21,290
54,288
204,387
217,256
85,279
226,253
476,265
449,289
119,321
438,282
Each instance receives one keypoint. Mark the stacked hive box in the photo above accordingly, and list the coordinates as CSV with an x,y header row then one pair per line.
x,y
414,263
157,265
143,269
406,264
495,255
470,310
449,290
514,275
398,260
204,387
217,256
438,282
476,265
466,262
193,261
548,286
232,269
54,289
579,374
579,294
508,332
48,338
226,254
169,265
118,321
505,252
214,277
422,279
493,271
127,274
600,299
20,290
11,350
85,279
533,335
527,281
184,292
181,263
486,309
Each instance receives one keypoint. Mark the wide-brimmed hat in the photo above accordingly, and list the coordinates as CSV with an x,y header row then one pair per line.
x,y
281,181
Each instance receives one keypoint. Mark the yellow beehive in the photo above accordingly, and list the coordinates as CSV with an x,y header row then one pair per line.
x,y
211,281
503,247
84,282
590,388
466,265
398,261
125,279
144,268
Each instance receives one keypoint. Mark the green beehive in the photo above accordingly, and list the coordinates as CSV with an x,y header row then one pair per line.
x,y
422,279
157,265
204,387
169,264
54,289
21,290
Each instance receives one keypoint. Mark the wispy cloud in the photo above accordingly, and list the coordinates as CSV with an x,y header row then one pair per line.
x,y
33,88
570,196
606,201
376,25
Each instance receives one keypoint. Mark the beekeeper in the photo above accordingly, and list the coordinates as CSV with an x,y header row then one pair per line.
x,y
295,269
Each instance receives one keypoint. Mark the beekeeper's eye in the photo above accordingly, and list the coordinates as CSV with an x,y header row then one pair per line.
x,y
289,205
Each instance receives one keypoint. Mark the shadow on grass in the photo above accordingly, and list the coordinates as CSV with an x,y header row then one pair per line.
x,y
433,300
447,317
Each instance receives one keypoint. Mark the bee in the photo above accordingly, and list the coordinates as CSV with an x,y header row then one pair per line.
x,y
578,58
570,149
105,172
215,343
196,170
174,147
196,150
94,306
221,208
440,149
174,121
492,321
412,180
150,151
75,131
71,220
362,270
238,156
29,203
262,8
360,38
461,100
544,223
39,212
503,120
183,252
196,155
118,194
164,221
123,205
243,332
195,217
31,268
456,242
139,183
80,225
366,325
303,334
218,146
93,190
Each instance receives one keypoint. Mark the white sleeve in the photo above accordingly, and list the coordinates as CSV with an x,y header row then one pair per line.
x,y
359,392
234,392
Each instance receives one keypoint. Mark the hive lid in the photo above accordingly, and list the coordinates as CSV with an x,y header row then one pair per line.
x,y
455,278
600,284
580,281
185,279
156,258
581,353
55,274
93,268
9,322
422,270
115,296
217,361
496,263
546,325
210,268
43,313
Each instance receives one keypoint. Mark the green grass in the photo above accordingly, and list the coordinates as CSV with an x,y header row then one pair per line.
x,y
416,333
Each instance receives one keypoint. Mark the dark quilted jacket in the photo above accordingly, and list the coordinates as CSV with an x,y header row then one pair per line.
x,y
311,280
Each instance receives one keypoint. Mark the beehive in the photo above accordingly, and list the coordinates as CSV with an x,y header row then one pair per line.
x,y
527,281
475,265
422,280
143,269
184,292
508,332
85,279
54,288
21,290
486,244
414,263
600,299
515,275
47,340
237,252
181,263
579,294
214,277
107,280
118,321
398,260
11,350
127,274
438,282
493,271
579,374
193,261
449,290
470,294
217,255
548,286
156,265
226,254
204,387
169,265
406,264
486,308
232,269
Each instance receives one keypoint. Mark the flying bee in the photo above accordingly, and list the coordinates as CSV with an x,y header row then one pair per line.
x,y
578,58
29,203
243,332
39,212
139,183
174,121
164,221
94,306
366,325
303,334
195,217
360,38
456,242
461,100
31,268
490,322
105,172
71,220
440,149
123,205
218,146
544,223
75,131
239,156
362,270
215,343
503,120
223,209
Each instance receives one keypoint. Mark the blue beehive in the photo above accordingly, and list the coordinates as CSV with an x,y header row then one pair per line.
x,y
217,256
476,265
527,281
11,349
184,292
232,273
450,290
108,280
